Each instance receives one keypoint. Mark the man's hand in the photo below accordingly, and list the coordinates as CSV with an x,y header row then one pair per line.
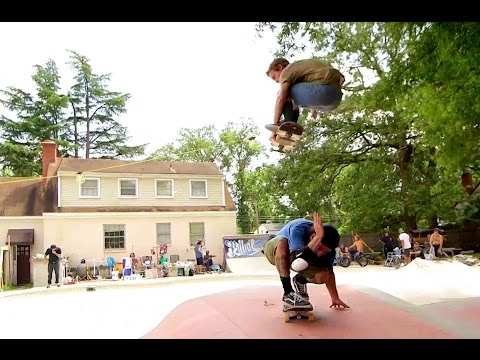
x,y
339,304
318,248
317,225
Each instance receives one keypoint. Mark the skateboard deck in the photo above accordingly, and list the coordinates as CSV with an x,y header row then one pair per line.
x,y
291,131
286,136
299,315
281,147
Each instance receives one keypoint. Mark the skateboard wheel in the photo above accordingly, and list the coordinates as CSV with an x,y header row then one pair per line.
x,y
311,317
287,317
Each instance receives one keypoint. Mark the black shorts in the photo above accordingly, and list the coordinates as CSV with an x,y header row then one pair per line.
x,y
200,261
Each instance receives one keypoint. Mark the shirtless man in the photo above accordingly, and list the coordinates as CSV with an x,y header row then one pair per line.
x,y
436,240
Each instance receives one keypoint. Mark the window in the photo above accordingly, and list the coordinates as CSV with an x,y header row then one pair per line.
x,y
90,188
197,232
164,188
114,236
163,233
198,188
128,187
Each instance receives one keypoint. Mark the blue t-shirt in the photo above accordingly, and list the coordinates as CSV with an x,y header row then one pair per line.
x,y
296,232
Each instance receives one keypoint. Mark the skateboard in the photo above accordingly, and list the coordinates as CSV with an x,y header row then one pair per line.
x,y
287,136
299,315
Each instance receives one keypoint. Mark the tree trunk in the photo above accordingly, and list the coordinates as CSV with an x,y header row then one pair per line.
x,y
87,112
433,221
405,155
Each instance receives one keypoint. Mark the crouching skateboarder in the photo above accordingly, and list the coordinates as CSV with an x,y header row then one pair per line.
x,y
307,248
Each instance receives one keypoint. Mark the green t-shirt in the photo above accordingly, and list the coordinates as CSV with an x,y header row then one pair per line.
x,y
312,71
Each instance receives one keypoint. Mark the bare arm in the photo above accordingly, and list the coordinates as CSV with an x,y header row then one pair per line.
x,y
331,285
281,100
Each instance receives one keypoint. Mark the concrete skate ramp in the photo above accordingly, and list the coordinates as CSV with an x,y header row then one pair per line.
x,y
255,265
426,282
255,312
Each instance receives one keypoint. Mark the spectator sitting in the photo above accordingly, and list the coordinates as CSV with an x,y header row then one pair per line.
x,y
208,262
343,251
417,251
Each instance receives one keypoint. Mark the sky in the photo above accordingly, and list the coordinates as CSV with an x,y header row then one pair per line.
x,y
179,75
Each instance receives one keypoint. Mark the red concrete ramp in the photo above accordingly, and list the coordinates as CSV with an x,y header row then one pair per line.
x,y
255,313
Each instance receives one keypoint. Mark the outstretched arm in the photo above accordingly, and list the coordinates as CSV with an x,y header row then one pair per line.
x,y
331,285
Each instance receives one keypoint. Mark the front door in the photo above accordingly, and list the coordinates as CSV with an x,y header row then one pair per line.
x,y
23,264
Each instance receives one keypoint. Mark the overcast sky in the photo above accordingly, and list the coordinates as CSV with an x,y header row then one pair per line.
x,y
178,74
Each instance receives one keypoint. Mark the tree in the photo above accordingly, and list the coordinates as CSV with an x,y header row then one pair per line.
x,y
94,107
233,149
34,120
375,131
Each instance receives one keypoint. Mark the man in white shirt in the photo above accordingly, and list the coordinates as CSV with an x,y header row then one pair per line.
x,y
406,245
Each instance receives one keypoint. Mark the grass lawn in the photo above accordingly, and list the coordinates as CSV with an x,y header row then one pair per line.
x,y
9,287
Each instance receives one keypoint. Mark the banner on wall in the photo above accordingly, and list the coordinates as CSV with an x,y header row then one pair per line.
x,y
244,246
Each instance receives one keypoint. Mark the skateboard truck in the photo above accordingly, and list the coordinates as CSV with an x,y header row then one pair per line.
x,y
299,315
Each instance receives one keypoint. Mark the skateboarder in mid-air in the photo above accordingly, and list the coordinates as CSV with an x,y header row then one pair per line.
x,y
308,248
306,83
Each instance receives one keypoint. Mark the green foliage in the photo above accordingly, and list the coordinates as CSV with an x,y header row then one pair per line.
x,y
233,149
94,110
394,150
30,119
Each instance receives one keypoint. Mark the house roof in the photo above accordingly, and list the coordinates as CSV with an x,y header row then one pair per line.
x,y
20,196
24,196
138,167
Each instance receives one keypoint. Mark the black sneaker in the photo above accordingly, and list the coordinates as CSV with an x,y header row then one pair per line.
x,y
295,301
301,289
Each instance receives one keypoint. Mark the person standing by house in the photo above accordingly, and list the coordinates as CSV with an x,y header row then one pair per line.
x,y
54,254
199,253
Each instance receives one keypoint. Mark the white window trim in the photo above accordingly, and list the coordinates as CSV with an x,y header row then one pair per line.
x,y
156,235
206,189
165,196
128,196
190,234
80,196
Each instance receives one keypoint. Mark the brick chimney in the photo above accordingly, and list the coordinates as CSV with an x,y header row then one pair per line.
x,y
49,155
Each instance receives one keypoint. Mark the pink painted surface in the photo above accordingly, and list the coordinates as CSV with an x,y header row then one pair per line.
x,y
256,313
